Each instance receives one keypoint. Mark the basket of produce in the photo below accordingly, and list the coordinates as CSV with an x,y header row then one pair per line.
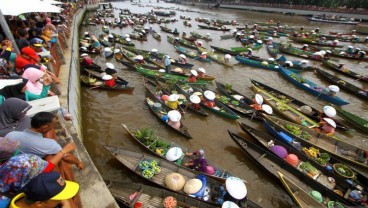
x,y
343,170
144,164
170,202
148,173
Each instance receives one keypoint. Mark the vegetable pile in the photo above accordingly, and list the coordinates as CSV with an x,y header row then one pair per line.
x,y
298,132
150,168
297,78
343,170
309,169
153,142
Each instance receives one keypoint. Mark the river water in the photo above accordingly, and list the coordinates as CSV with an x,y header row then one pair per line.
x,y
104,112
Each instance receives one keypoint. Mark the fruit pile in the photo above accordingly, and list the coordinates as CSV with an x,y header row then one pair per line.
x,y
170,202
312,152
150,168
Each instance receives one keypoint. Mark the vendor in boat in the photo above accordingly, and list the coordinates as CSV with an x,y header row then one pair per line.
x,y
201,72
288,64
199,43
200,163
305,47
327,126
110,38
209,98
322,40
203,55
350,49
86,60
110,70
138,59
235,191
355,38
182,59
333,90
96,45
316,30
257,102
327,55
195,101
154,53
109,81
86,35
176,31
227,58
270,41
362,54
335,42
174,118
176,41
193,76
173,101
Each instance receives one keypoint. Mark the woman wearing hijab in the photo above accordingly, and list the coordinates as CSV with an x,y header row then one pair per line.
x,y
14,118
16,89
38,84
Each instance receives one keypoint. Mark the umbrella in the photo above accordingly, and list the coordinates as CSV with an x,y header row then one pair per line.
x,y
17,7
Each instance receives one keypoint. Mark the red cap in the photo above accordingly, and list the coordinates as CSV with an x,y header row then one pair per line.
x,y
30,52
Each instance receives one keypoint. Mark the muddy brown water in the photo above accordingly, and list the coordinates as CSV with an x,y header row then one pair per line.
x,y
104,112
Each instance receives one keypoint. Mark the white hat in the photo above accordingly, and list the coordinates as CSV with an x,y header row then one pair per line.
x,y
208,34
116,50
306,84
251,36
195,99
128,39
154,50
350,46
106,77
209,95
236,187
290,63
178,70
271,59
140,34
323,52
363,52
194,72
229,204
143,31
270,38
84,48
330,121
104,26
200,42
234,30
107,49
237,97
110,65
259,99
204,53
167,56
174,115
259,41
161,70
305,45
111,36
139,57
201,70
328,51
304,61
173,97
88,38
127,35
183,56
197,93
192,186
249,49
266,108
86,33
84,55
177,38
227,56
329,111
334,88
174,153
353,36
105,39
358,49
335,41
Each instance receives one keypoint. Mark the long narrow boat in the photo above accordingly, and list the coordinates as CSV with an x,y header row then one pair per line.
x,y
262,64
213,28
215,57
168,30
311,87
191,54
100,85
219,109
314,165
122,40
344,84
159,146
181,42
298,194
183,130
230,92
335,21
142,52
296,104
344,55
131,161
314,42
149,195
272,164
357,121
338,148
254,47
99,75
226,51
199,36
273,49
345,71
288,49
283,108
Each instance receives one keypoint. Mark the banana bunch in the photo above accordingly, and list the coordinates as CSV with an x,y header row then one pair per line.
x,y
313,152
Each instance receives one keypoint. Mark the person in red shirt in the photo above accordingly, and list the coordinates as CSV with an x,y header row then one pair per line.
x,y
257,100
209,98
193,76
27,56
109,80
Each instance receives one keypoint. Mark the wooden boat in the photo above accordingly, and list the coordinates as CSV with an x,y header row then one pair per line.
x,y
135,36
311,87
261,64
120,39
309,163
93,66
144,53
345,71
191,54
183,129
103,41
357,121
343,54
333,146
225,37
273,49
254,47
156,36
182,42
213,28
133,63
163,145
199,36
344,84
98,74
283,108
226,51
190,38
314,42
334,21
298,194
149,195
86,80
105,29
272,164
215,57
168,30
288,49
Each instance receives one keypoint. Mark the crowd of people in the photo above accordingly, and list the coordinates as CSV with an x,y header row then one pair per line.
x,y
32,159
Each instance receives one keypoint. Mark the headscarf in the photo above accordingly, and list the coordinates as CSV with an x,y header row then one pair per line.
x,y
7,147
33,75
13,116
18,171
14,90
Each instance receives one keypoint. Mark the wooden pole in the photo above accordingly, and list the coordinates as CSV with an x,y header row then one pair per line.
x,y
8,34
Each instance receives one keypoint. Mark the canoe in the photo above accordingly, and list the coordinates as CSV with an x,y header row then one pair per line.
x,y
120,39
296,104
343,54
105,30
313,89
230,92
346,71
199,36
98,75
213,28
254,47
100,85
309,163
156,36
149,195
281,107
129,57
190,38
302,198
297,52
314,42
220,108
271,163
215,57
183,129
93,66
181,42
168,30
224,50
159,146
273,49
103,42
163,76
344,84
335,21
333,146
225,37
262,64
191,54
357,121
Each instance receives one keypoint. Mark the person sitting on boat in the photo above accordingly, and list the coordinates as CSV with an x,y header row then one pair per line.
x,y
182,59
201,72
195,102
209,98
257,102
227,58
362,54
356,51
208,35
176,31
86,35
86,60
304,64
335,42
340,67
327,54
316,30
109,81
333,90
174,117
110,38
138,59
176,41
327,126
199,43
203,55
110,70
317,55
350,49
185,22
274,33
223,27
234,191
305,47
288,64
269,41
302,29
96,45
193,76
173,101
189,24
322,40
200,163
355,38
184,35
254,27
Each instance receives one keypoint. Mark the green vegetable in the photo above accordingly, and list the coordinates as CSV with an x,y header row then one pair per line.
x,y
293,129
235,102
